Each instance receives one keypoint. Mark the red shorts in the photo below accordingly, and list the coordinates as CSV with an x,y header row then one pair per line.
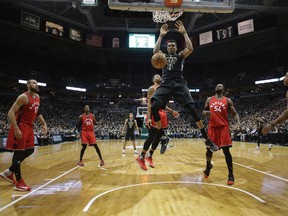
x,y
27,140
88,137
163,119
220,135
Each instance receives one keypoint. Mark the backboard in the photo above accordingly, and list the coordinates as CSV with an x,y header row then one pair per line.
x,y
203,6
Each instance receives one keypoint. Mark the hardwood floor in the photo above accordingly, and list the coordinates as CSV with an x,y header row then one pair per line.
x,y
174,187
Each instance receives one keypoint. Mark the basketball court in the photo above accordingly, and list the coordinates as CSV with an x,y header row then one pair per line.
x,y
174,187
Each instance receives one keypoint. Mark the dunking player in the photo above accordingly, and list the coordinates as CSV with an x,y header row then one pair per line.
x,y
283,117
86,124
129,125
20,140
218,107
173,83
153,138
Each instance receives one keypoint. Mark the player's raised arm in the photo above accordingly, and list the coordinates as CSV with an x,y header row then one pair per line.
x,y
163,32
189,47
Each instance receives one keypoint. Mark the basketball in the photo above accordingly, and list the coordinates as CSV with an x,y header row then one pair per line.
x,y
159,60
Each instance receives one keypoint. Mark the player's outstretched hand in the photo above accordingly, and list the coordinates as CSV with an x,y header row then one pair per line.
x,y
17,133
164,30
149,123
175,114
266,128
180,27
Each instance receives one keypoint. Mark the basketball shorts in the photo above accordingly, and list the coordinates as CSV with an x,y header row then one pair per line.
x,y
220,136
130,135
27,140
163,119
173,88
88,137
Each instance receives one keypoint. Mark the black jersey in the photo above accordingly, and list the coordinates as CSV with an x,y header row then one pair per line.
x,y
130,125
174,67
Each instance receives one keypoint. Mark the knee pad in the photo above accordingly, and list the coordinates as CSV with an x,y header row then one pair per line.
x,y
190,107
156,105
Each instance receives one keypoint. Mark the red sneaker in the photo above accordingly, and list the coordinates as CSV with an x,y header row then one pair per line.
x,y
21,186
9,176
230,180
150,162
101,163
207,170
80,163
142,164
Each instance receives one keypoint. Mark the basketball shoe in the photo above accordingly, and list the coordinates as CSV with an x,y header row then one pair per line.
x,y
141,162
8,175
21,186
270,146
164,144
123,151
209,144
150,161
80,163
230,179
207,170
135,152
101,163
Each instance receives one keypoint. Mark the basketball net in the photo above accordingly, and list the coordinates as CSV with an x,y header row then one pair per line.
x,y
164,16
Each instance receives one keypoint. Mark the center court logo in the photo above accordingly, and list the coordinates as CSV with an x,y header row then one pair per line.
x,y
218,106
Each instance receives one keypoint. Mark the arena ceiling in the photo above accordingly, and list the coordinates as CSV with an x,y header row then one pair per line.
x,y
102,18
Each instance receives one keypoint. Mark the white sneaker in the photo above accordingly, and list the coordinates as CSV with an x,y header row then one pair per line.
x,y
270,146
123,151
135,152
257,148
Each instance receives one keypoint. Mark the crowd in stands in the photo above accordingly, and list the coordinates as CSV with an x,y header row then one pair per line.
x,y
62,116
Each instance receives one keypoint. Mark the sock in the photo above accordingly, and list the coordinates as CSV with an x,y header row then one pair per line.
x,y
204,133
150,153
209,155
17,171
82,151
98,151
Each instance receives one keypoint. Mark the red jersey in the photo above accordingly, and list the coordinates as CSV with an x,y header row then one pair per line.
x,y
28,112
87,122
218,112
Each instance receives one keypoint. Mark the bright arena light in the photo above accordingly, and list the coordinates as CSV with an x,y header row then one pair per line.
x,y
194,90
38,83
268,81
75,89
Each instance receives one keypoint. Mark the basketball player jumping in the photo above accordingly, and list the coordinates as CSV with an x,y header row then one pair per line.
x,y
86,124
153,138
20,139
218,107
129,125
173,83
283,117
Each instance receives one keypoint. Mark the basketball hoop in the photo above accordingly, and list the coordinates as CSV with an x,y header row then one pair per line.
x,y
164,16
